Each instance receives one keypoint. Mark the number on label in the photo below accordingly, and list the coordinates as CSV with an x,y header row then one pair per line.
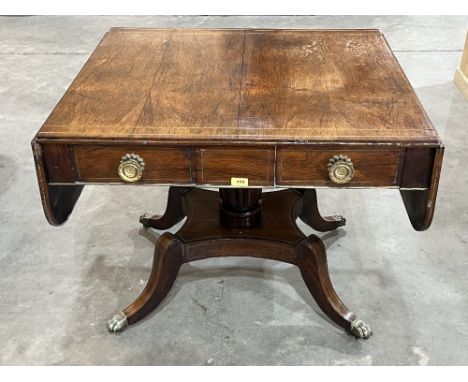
x,y
239,182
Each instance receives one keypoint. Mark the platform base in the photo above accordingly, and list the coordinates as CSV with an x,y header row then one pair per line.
x,y
257,225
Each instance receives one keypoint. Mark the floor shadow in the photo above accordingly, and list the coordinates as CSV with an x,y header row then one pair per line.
x,y
8,171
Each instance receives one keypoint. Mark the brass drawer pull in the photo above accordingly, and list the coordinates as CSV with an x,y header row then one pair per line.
x,y
131,168
340,169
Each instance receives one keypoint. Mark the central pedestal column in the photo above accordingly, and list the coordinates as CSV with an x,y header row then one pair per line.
x,y
240,207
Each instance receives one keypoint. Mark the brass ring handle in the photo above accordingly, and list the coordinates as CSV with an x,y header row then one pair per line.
x,y
340,169
131,168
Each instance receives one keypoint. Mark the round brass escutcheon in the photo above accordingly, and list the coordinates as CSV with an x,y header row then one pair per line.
x,y
340,169
131,168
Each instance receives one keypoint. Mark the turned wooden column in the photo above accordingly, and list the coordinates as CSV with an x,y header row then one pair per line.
x,y
240,207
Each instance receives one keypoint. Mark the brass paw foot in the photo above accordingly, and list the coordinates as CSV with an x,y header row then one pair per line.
x,y
340,220
145,219
117,323
360,329
146,215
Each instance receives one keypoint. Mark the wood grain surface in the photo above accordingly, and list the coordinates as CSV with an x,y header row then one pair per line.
x,y
308,166
216,166
241,85
162,165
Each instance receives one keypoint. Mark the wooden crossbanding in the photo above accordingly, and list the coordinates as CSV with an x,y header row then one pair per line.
x,y
247,85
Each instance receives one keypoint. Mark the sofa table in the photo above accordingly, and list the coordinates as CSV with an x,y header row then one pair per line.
x,y
240,110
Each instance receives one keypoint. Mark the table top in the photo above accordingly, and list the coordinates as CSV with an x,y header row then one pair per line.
x,y
248,85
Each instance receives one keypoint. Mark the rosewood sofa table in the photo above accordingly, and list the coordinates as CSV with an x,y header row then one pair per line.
x,y
240,110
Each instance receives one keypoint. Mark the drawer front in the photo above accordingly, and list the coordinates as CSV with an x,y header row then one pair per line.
x,y
217,166
309,167
161,165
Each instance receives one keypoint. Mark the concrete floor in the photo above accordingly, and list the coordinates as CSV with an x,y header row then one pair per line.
x,y
58,286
